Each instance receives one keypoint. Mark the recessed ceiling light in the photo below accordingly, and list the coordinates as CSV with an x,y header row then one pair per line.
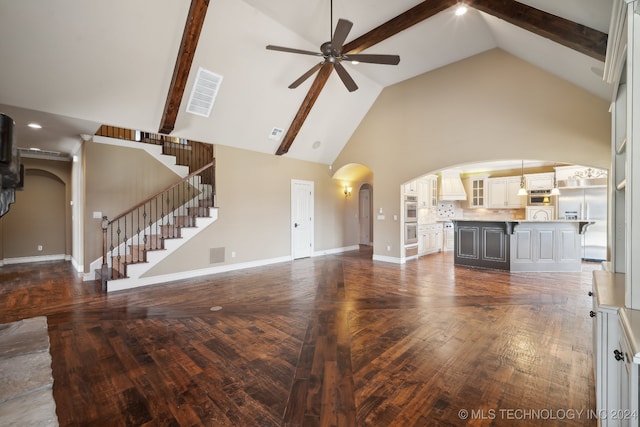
x,y
461,10
34,126
316,145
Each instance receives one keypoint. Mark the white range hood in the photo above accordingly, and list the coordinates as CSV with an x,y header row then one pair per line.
x,y
451,187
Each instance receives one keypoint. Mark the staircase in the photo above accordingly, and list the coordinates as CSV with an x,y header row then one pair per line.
x,y
138,239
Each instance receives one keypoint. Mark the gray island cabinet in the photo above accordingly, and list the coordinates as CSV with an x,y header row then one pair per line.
x,y
519,245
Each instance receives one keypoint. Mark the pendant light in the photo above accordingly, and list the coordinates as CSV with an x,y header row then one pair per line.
x,y
523,188
555,191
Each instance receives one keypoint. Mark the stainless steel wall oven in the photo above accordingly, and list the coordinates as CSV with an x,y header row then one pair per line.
x,y
410,209
410,233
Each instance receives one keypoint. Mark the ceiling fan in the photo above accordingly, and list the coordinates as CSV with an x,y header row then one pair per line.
x,y
331,52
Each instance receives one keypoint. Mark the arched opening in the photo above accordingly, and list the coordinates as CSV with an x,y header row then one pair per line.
x,y
360,177
529,190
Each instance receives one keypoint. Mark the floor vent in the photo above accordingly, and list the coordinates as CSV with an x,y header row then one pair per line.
x,y
216,255
204,92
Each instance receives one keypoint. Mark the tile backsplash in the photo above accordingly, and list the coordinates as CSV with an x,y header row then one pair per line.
x,y
497,214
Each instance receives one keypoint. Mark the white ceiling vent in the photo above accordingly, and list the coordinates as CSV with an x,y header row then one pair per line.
x,y
204,92
276,133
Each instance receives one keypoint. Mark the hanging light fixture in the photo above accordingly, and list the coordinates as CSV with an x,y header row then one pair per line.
x,y
461,9
555,191
523,188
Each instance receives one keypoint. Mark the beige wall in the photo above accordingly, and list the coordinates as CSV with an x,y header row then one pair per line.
x,y
41,214
253,195
491,106
116,178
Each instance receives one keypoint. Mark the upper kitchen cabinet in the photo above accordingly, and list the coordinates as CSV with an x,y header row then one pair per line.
x,y
410,188
539,181
502,193
476,186
428,191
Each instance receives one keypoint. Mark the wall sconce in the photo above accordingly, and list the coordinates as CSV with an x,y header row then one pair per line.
x,y
347,191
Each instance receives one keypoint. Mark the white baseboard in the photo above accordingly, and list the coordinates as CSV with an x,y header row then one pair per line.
x,y
78,267
336,250
385,258
123,284
27,259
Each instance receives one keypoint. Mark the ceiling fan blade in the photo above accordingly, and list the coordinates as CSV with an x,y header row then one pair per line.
x,y
305,76
373,58
291,50
345,77
340,34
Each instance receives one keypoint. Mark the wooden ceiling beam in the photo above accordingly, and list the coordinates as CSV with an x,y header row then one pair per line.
x,y
411,17
567,33
305,108
190,37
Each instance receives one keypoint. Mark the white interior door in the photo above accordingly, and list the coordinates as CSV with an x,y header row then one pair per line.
x,y
301,218
365,216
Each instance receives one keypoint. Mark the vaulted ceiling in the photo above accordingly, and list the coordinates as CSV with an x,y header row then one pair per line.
x,y
73,64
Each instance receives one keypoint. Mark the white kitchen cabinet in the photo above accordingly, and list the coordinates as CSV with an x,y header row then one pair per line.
x,y
422,239
433,192
427,188
502,193
423,194
411,188
627,356
429,238
546,246
476,187
448,236
608,297
539,181
540,213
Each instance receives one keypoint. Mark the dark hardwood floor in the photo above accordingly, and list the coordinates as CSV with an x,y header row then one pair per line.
x,y
337,340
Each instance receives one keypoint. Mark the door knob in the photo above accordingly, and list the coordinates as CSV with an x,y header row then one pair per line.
x,y
618,355
592,313
295,224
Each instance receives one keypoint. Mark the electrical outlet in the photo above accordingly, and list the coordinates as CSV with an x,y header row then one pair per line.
x,y
388,248
39,248
233,254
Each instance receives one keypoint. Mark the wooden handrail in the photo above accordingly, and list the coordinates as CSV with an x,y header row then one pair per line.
x,y
148,199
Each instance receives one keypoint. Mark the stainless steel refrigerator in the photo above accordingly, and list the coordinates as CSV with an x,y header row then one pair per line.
x,y
589,204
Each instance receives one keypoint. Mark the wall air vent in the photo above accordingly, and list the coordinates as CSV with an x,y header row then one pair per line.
x,y
43,154
204,92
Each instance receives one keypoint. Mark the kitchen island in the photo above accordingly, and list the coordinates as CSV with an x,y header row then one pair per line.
x,y
519,245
